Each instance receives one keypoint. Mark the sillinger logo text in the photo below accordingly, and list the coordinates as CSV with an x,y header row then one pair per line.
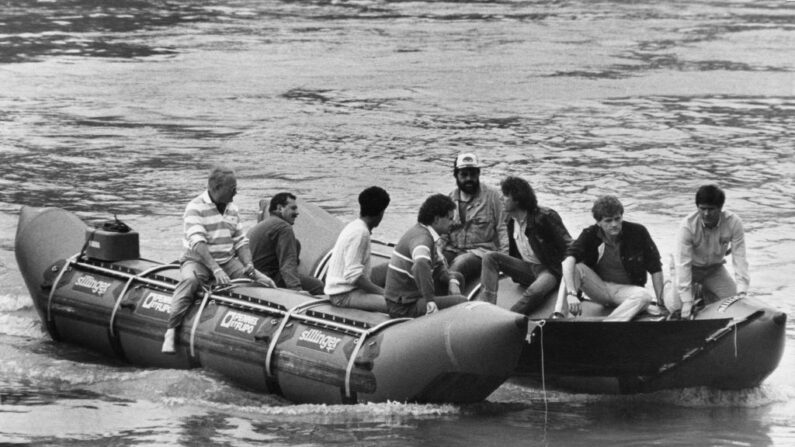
x,y
318,340
88,283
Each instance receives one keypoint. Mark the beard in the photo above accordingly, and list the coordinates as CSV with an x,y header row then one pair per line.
x,y
469,187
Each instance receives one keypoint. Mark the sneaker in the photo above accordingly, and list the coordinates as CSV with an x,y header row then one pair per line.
x,y
168,343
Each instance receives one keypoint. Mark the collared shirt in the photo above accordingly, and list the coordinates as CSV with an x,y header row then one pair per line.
x,y
223,233
350,258
522,243
484,225
699,246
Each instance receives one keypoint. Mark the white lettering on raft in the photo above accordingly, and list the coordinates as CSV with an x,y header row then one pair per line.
x,y
317,339
239,322
157,302
91,284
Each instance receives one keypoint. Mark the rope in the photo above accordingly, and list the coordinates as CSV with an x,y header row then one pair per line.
x,y
544,379
196,321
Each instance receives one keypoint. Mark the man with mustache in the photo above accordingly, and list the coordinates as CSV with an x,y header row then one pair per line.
x,y
275,249
478,223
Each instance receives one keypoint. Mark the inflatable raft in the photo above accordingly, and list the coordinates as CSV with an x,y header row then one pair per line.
x,y
731,344
91,288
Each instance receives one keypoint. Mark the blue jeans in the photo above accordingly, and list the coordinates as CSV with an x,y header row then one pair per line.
x,y
359,299
418,308
628,299
193,275
539,281
467,264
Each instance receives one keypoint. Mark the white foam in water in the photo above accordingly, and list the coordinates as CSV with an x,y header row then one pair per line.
x,y
14,302
20,326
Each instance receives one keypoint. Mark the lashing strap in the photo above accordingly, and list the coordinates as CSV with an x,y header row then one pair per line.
x,y
126,288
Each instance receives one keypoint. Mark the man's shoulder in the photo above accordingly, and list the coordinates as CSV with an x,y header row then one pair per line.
x,y
489,193
354,229
416,234
546,212
731,216
634,227
270,224
200,200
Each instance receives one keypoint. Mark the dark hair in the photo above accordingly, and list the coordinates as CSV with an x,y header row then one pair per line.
x,y
437,205
521,192
373,201
280,199
710,195
607,206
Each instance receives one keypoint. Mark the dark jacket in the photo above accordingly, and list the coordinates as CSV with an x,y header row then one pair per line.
x,y
275,251
639,254
548,238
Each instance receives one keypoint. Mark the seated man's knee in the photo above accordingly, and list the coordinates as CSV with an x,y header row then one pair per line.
x,y
489,260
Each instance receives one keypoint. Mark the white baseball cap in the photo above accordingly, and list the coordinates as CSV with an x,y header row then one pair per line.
x,y
467,160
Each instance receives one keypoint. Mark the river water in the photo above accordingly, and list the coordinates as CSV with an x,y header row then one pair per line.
x,y
120,107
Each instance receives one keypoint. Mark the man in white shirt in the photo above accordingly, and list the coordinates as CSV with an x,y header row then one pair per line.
x,y
348,281
705,238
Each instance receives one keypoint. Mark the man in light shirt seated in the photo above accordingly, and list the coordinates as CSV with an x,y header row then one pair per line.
x,y
215,248
348,281
705,238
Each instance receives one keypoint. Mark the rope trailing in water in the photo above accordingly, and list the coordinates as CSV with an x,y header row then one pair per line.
x,y
543,378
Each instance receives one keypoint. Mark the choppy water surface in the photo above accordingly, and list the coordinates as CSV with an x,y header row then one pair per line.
x,y
121,107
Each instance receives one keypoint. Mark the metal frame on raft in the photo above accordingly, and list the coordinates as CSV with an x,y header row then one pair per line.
x,y
241,302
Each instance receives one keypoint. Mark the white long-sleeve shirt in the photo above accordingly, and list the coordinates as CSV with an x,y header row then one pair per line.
x,y
350,258
699,246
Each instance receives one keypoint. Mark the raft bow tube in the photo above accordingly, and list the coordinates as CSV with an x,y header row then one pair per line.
x,y
271,340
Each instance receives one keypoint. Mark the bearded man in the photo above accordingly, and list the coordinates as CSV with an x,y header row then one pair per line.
x,y
479,222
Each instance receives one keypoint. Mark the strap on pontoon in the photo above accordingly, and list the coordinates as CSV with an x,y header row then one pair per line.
x,y
126,288
207,295
285,319
359,343
54,286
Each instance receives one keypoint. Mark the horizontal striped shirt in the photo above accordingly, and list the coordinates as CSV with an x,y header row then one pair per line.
x,y
223,233
414,267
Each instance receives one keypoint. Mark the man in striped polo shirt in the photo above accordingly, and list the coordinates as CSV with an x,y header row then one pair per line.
x,y
417,269
215,247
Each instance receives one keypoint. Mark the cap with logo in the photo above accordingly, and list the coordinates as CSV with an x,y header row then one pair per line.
x,y
467,160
